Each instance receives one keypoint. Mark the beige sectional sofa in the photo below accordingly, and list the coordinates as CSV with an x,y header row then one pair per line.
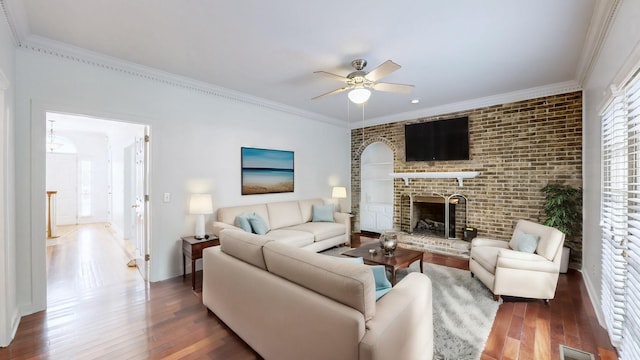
x,y
290,222
288,303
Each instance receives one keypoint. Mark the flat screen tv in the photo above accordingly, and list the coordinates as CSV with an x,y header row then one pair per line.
x,y
440,140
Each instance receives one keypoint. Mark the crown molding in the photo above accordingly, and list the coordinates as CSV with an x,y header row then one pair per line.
x,y
14,15
604,14
79,55
520,95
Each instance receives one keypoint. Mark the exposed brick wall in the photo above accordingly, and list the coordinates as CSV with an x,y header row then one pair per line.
x,y
518,148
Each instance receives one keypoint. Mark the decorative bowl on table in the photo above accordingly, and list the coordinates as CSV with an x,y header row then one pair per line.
x,y
388,243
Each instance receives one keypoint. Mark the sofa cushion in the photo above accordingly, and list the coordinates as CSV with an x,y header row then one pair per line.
x,y
228,214
244,246
350,284
486,256
551,239
321,231
323,213
258,225
283,214
291,237
524,242
306,208
242,221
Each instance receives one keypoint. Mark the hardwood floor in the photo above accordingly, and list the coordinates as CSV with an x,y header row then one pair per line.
x,y
98,308
528,329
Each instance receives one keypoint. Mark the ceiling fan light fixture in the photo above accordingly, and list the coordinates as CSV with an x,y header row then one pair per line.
x,y
359,95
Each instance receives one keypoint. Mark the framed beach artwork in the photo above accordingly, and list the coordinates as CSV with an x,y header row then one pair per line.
x,y
266,171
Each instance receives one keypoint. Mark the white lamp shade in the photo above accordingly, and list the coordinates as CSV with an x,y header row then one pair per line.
x,y
339,192
359,95
200,204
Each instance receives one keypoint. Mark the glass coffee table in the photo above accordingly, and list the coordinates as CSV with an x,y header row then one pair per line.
x,y
401,258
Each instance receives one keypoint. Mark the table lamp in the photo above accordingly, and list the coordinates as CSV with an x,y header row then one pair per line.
x,y
339,192
200,205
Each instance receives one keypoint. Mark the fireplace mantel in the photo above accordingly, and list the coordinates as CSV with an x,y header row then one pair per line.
x,y
436,175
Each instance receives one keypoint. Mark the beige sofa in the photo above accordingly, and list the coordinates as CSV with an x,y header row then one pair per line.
x,y
289,222
506,271
288,303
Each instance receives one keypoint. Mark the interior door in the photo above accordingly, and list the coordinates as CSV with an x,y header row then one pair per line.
x,y
141,204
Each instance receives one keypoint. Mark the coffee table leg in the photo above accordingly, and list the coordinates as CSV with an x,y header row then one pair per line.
x,y
393,276
421,266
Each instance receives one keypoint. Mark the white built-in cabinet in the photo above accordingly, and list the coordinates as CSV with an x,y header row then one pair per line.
x,y
376,196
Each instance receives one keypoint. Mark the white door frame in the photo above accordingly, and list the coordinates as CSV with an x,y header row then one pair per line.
x,y
37,293
9,316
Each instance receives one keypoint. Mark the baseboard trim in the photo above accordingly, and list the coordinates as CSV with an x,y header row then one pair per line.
x,y
594,297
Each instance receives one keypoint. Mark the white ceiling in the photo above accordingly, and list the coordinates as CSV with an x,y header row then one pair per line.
x,y
452,51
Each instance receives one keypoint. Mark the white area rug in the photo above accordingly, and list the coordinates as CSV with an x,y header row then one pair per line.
x,y
463,310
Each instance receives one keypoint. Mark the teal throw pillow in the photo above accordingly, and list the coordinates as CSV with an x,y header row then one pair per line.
x,y
526,242
383,285
258,225
242,221
322,213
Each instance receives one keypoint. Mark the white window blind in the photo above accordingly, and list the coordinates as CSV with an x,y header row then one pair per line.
x,y
629,348
620,219
613,222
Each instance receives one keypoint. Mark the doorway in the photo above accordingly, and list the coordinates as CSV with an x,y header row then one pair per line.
x,y
87,165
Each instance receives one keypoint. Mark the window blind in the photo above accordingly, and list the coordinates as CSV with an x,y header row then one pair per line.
x,y
613,216
629,347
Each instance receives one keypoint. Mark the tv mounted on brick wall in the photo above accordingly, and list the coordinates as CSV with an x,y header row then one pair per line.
x,y
440,140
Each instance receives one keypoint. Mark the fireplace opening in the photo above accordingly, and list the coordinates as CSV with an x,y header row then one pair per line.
x,y
430,218
426,215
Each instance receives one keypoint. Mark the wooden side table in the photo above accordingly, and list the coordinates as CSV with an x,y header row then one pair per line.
x,y
192,248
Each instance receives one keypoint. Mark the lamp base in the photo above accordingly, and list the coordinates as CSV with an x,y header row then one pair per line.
x,y
199,233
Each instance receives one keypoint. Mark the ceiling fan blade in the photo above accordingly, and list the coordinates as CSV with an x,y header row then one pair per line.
x,y
332,76
336,91
397,88
382,70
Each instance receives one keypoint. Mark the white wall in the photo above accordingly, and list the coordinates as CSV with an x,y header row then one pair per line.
x,y
195,147
9,316
618,47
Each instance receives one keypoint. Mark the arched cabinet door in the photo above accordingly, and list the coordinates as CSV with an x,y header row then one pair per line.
x,y
376,196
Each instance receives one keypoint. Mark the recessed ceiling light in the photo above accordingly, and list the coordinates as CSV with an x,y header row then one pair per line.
x,y
415,101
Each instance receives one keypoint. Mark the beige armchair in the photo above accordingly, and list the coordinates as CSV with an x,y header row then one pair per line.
x,y
527,266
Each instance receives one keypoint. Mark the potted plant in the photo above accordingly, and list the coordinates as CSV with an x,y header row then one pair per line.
x,y
563,211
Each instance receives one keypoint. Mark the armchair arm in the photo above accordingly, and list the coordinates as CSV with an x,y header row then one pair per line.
x,y
219,226
402,327
489,242
512,259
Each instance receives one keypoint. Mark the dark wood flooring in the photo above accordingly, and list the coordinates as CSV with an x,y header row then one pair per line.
x,y
100,309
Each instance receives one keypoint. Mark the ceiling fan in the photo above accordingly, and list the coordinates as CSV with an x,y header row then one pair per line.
x,y
359,82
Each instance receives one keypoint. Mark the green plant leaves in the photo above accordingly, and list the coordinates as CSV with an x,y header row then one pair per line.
x,y
563,208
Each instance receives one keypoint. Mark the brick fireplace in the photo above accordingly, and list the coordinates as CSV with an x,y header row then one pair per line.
x,y
517,148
